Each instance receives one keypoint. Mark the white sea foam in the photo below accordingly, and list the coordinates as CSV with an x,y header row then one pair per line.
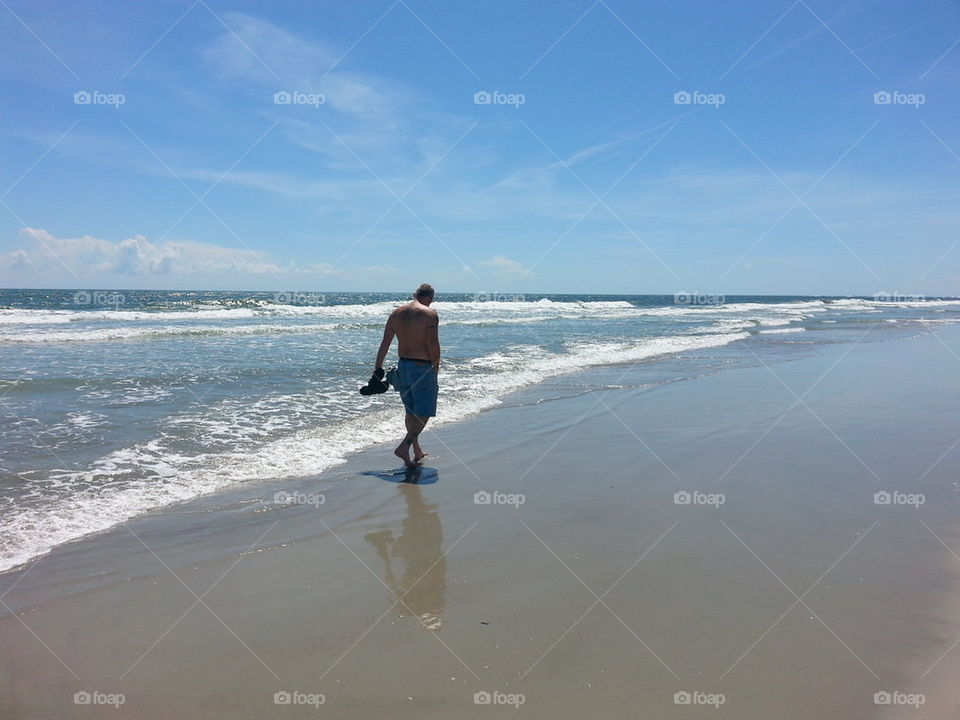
x,y
56,317
34,317
474,311
154,331
917,303
134,480
880,304
112,325
340,317
16,316
86,420
766,309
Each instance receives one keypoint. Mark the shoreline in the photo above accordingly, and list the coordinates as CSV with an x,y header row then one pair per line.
x,y
499,584
355,436
154,438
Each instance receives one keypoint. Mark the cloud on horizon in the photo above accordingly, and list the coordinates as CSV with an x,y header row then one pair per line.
x,y
504,265
138,256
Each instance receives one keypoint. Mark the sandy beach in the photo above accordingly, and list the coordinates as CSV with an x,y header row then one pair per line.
x,y
669,293
709,546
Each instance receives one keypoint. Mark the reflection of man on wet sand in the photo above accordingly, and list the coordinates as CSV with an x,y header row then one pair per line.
x,y
422,583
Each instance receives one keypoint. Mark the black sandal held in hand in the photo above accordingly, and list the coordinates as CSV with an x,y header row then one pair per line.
x,y
376,384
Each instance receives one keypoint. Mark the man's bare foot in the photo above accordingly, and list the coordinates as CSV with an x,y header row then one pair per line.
x,y
403,452
418,453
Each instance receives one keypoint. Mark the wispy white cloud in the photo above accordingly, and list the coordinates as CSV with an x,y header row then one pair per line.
x,y
253,49
138,256
275,182
504,265
367,111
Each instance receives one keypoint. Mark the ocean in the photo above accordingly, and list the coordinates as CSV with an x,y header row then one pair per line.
x,y
116,403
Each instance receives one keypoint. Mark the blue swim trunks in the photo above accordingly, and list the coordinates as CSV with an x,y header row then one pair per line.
x,y
418,387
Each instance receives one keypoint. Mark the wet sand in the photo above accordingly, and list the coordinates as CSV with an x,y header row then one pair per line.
x,y
585,586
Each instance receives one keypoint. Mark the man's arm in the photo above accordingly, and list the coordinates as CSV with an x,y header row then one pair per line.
x,y
433,341
388,335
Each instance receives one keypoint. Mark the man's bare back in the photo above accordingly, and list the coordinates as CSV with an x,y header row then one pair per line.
x,y
415,326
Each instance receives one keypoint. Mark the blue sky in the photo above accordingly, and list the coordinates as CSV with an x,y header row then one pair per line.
x,y
782,175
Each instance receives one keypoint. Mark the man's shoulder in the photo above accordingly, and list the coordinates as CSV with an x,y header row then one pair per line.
x,y
422,310
412,310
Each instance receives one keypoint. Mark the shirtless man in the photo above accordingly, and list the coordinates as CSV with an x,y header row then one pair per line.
x,y
418,344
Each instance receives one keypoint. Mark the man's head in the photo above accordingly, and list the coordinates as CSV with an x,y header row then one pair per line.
x,y
424,294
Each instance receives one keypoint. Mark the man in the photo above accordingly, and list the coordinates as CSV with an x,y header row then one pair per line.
x,y
416,328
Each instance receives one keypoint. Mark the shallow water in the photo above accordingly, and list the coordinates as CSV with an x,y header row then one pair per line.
x,y
116,403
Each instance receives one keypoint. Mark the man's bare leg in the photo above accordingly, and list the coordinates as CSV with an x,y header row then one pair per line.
x,y
414,425
418,452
